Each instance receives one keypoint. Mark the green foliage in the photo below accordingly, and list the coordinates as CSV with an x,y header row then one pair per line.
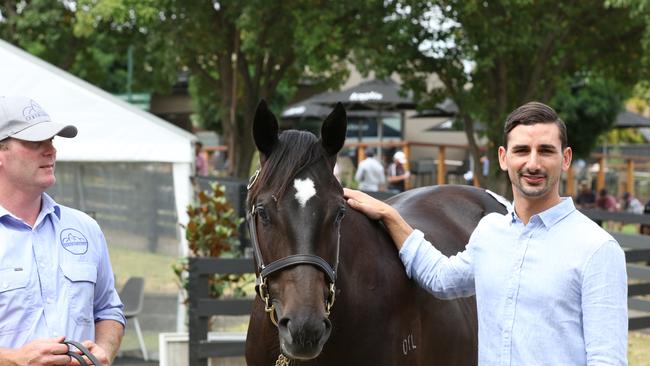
x,y
238,52
492,56
589,106
212,232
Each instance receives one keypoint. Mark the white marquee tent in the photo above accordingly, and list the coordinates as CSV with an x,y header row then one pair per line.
x,y
116,139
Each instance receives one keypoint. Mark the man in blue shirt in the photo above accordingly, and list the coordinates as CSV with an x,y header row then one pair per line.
x,y
550,284
56,280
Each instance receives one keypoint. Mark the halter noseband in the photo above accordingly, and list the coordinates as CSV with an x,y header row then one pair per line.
x,y
261,285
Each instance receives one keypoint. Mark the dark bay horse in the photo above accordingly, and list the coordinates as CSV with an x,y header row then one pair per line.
x,y
330,279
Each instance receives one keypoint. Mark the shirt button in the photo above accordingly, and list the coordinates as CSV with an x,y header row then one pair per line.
x,y
5,285
49,300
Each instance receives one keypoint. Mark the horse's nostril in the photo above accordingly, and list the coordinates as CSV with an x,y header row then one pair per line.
x,y
328,324
283,323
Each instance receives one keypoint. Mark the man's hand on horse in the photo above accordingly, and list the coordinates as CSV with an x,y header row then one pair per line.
x,y
369,206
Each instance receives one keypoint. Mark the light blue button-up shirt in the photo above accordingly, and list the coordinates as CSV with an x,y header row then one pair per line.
x,y
55,278
552,292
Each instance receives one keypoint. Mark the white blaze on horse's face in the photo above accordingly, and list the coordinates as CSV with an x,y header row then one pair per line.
x,y
304,190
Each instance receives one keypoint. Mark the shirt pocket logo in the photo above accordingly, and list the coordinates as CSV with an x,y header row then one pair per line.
x,y
74,241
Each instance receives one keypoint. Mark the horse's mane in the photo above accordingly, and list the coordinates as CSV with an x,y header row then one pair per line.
x,y
294,152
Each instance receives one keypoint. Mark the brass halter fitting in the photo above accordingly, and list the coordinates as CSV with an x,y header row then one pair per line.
x,y
263,290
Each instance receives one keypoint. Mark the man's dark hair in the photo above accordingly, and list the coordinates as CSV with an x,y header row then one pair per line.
x,y
532,113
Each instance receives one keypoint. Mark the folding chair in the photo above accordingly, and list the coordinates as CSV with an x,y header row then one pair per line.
x,y
132,296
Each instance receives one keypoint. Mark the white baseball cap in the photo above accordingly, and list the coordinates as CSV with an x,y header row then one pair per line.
x,y
400,156
23,119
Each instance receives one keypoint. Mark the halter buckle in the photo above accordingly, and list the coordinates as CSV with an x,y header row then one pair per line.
x,y
330,299
263,292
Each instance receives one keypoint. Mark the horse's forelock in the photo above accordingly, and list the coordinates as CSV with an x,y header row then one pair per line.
x,y
296,151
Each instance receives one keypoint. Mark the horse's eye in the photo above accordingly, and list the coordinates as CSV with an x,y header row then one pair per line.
x,y
339,215
263,215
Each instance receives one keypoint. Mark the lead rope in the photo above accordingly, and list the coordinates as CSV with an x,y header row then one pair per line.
x,y
84,351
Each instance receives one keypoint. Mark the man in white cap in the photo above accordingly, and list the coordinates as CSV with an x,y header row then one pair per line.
x,y
56,280
397,173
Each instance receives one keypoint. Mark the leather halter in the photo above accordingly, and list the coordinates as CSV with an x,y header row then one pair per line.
x,y
264,270
84,352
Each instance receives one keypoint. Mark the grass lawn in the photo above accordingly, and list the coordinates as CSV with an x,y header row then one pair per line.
x,y
638,351
155,268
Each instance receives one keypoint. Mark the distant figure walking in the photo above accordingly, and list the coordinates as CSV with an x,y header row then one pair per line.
x,y
370,173
586,198
201,165
397,173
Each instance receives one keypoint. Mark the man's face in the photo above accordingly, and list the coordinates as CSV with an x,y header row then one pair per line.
x,y
535,160
28,166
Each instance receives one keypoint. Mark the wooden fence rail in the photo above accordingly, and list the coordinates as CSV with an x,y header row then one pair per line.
x,y
637,256
202,308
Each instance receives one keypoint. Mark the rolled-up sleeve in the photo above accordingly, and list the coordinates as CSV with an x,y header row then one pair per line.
x,y
604,306
108,305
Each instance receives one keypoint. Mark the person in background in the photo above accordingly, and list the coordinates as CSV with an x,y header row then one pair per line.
x,y
370,173
606,201
397,173
550,285
200,164
56,280
586,197
631,204
645,228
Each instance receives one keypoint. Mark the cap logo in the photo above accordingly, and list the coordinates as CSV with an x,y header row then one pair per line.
x,y
33,111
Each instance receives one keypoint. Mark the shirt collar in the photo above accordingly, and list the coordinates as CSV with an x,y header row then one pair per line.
x,y
49,206
552,215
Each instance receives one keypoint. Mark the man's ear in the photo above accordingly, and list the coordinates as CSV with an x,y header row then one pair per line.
x,y
502,158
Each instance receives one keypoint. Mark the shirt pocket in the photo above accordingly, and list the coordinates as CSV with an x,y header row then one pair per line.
x,y
80,290
15,300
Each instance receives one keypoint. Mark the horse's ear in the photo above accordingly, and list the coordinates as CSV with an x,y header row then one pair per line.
x,y
333,130
265,130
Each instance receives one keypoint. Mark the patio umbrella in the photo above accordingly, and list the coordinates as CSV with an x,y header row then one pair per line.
x,y
304,110
627,119
376,95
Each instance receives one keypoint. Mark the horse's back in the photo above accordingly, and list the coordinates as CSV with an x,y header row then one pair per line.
x,y
446,214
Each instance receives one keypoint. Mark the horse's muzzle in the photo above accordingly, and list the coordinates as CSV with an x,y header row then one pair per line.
x,y
302,338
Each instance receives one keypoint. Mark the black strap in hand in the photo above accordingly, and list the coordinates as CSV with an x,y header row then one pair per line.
x,y
83,350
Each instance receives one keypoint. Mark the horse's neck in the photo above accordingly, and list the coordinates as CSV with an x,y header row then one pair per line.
x,y
365,244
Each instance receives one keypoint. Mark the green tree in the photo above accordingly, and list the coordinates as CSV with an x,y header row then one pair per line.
x,y
491,56
239,52
589,106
